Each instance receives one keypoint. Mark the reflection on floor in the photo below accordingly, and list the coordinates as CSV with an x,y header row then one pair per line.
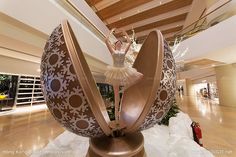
x,y
20,134
218,124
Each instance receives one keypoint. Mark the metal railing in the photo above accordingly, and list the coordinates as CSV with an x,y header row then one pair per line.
x,y
201,24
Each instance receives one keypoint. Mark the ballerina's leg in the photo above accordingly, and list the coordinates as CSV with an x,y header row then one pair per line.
x,y
117,100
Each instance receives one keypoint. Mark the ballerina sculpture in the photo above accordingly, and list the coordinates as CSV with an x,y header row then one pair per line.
x,y
118,74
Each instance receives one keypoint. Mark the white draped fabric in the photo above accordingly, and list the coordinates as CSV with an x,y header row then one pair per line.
x,y
160,141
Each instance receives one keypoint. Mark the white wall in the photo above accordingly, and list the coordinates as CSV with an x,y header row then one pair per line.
x,y
45,16
17,66
226,83
215,39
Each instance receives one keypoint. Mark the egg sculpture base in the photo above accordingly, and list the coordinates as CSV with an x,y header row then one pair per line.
x,y
129,145
73,99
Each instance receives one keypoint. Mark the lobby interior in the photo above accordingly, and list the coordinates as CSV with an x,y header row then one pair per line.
x,y
200,33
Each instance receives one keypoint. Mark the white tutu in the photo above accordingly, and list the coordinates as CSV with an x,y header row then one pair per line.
x,y
122,75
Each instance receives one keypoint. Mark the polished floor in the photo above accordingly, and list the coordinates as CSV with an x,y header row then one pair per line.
x,y
23,133
218,124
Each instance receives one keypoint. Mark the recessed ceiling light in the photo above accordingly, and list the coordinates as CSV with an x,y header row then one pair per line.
x,y
120,18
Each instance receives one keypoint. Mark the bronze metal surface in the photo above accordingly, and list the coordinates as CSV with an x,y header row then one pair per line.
x,y
87,81
138,99
68,86
130,145
165,93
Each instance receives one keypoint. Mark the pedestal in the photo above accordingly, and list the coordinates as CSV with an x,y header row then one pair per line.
x,y
129,145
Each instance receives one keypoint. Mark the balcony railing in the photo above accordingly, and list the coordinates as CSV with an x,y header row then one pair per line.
x,y
220,13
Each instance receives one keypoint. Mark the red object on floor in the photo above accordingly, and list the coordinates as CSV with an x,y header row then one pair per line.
x,y
197,133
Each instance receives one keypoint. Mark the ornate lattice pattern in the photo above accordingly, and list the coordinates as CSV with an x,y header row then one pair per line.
x,y
165,93
62,90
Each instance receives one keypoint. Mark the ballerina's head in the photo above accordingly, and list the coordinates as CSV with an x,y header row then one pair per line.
x,y
118,45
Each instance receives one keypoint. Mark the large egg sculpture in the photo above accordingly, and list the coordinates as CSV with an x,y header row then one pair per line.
x,y
69,88
75,102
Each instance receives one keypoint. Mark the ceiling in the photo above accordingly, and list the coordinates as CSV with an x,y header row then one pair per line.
x,y
202,63
143,16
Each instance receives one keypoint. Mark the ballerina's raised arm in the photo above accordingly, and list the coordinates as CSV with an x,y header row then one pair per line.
x,y
128,40
108,43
